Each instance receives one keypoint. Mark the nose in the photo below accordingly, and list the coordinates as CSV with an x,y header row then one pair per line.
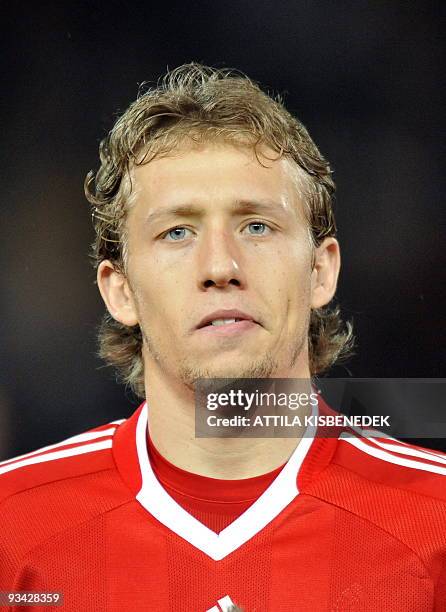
x,y
219,261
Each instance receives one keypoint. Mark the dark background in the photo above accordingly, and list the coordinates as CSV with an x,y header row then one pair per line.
x,y
364,77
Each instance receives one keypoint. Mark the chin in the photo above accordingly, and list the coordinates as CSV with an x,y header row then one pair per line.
x,y
262,367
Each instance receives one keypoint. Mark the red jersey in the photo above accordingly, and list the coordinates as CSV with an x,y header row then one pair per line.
x,y
347,524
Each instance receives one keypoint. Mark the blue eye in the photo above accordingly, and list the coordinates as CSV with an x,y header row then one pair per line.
x,y
176,234
258,226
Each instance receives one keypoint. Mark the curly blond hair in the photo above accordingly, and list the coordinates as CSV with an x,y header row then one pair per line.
x,y
194,104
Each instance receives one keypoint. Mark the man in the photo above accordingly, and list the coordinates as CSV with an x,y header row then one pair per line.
x,y
216,258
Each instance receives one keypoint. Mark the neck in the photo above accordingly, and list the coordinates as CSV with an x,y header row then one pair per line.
x,y
172,431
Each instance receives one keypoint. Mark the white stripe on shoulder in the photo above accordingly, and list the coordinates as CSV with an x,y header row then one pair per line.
x,y
407,450
60,454
83,437
380,453
429,451
385,441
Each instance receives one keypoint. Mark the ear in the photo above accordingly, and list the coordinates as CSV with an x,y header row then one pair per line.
x,y
116,293
324,276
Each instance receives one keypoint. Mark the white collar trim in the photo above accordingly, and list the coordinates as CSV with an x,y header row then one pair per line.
x,y
155,499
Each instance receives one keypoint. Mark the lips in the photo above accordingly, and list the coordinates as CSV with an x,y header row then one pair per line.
x,y
224,314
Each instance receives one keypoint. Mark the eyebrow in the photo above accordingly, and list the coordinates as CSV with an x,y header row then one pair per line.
x,y
239,208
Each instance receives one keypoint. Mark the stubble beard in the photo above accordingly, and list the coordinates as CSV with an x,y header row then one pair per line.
x,y
264,367
260,368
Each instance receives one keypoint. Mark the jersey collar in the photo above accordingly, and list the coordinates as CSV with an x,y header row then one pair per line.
x,y
132,459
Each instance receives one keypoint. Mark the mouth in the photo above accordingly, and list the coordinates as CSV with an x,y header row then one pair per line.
x,y
229,328
226,323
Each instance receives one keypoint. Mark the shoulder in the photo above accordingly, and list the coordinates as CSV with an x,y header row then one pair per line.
x,y
63,484
54,489
396,487
385,491
82,454
392,463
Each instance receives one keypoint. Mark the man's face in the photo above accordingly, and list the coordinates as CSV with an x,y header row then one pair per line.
x,y
211,229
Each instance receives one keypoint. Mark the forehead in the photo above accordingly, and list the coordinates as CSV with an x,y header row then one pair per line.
x,y
216,175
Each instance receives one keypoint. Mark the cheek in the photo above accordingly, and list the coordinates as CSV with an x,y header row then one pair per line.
x,y
289,273
159,297
286,291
